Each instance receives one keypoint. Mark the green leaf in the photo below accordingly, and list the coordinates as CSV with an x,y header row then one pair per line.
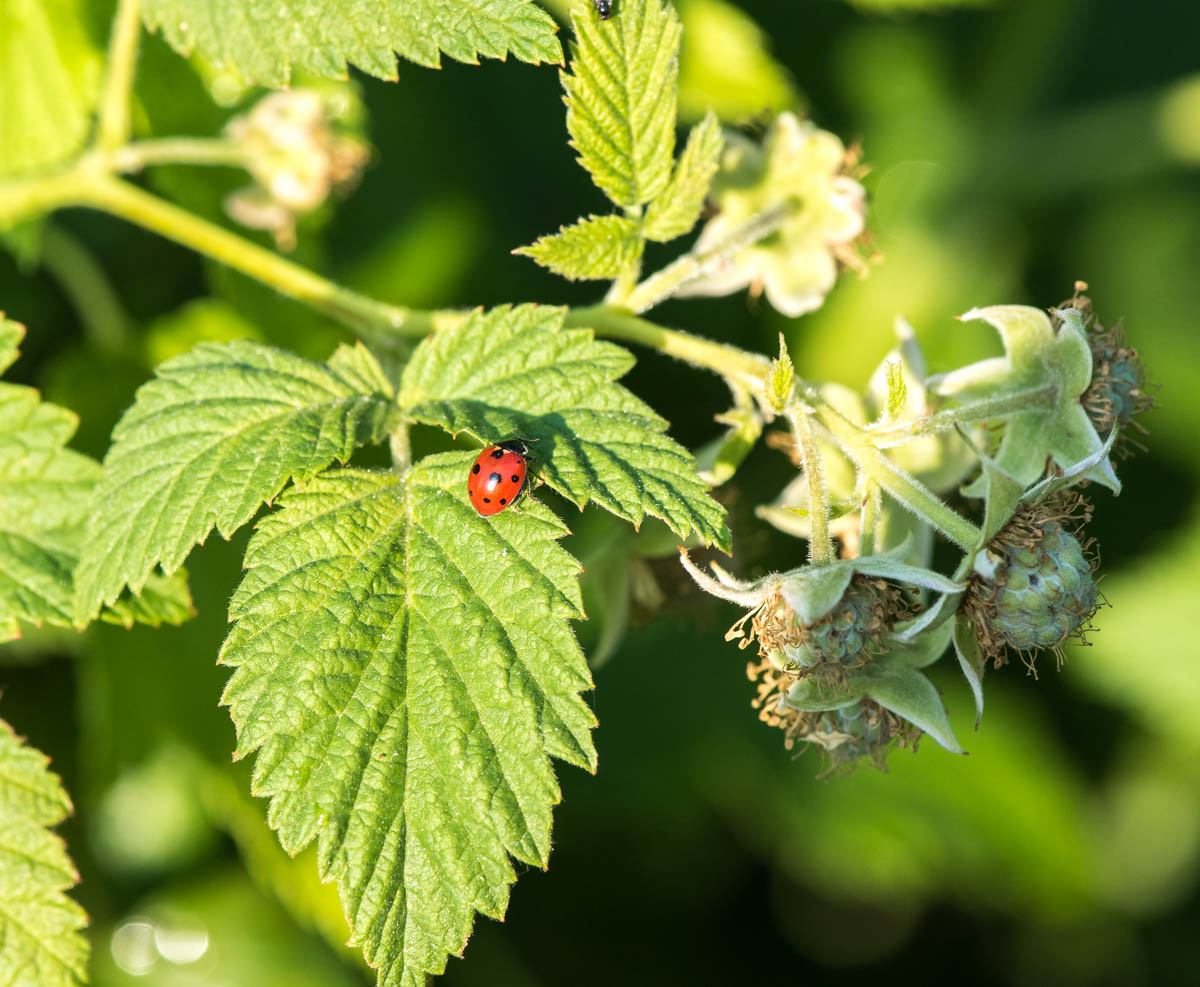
x,y
720,459
40,940
404,667
621,97
262,43
516,372
215,434
49,78
677,209
596,247
163,600
45,492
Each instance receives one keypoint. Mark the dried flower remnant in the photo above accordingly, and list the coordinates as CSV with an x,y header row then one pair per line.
x,y
297,156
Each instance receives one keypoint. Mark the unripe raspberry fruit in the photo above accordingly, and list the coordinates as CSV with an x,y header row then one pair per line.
x,y
850,631
1117,393
1033,585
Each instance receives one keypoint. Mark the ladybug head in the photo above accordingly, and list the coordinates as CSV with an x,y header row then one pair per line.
x,y
519,446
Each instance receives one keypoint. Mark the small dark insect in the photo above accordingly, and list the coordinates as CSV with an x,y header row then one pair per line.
x,y
603,8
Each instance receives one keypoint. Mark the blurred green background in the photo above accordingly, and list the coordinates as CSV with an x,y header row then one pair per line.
x,y
1014,148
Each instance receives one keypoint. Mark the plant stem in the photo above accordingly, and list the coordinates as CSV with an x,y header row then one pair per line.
x,y
113,115
178,150
103,317
820,549
694,265
364,315
400,447
910,492
984,409
746,369
869,518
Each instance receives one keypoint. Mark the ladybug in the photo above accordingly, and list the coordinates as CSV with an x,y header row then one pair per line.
x,y
497,476
603,8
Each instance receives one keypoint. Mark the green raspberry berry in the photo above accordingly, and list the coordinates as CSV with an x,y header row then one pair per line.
x,y
1033,585
864,730
846,634
1117,393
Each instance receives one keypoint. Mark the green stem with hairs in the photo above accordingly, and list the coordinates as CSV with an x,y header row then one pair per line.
x,y
746,369
180,151
820,548
694,265
985,409
913,494
91,187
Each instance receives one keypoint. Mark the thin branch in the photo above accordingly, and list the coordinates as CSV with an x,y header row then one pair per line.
x,y
113,119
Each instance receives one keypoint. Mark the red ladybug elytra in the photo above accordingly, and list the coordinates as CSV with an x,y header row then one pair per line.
x,y
497,476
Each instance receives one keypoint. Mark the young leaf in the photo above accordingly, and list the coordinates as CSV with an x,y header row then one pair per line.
x,y
261,43
596,247
403,668
621,97
676,210
516,372
49,78
213,436
40,941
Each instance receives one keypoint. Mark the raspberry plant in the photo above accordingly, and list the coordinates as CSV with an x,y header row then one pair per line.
x,y
404,669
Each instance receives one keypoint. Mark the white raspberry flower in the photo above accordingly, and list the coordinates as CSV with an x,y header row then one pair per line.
x,y
799,167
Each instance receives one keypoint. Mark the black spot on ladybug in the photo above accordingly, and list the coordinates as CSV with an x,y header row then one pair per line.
x,y
503,501
475,468
497,453
487,500
494,479
516,479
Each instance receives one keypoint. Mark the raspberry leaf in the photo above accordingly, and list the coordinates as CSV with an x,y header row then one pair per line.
x,y
40,940
45,490
263,43
49,78
515,372
596,247
677,209
403,669
621,96
214,435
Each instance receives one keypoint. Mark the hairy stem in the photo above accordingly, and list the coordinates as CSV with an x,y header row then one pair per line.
x,y
696,264
984,409
98,190
913,494
400,447
113,116
820,549
869,518
178,150
748,370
